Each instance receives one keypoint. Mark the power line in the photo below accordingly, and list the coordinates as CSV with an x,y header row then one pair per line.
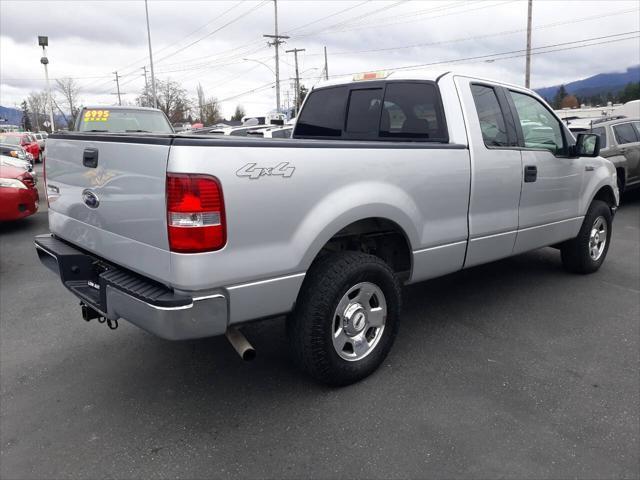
x,y
326,17
476,37
488,56
336,31
235,19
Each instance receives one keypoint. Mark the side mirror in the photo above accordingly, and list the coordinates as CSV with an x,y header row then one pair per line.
x,y
587,145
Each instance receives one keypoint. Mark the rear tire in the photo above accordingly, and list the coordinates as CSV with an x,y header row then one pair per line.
x,y
346,317
586,252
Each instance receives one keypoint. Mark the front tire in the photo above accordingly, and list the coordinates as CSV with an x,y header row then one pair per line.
x,y
586,252
346,317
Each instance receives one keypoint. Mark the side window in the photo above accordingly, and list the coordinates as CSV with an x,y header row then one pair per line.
x,y
364,111
636,125
540,128
323,113
625,133
285,133
600,131
412,111
490,115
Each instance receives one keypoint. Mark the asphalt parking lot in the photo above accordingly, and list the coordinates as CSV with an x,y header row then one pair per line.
x,y
515,369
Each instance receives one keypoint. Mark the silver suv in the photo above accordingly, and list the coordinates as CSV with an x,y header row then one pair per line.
x,y
619,143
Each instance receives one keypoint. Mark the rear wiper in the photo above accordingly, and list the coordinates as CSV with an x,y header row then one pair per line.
x,y
138,131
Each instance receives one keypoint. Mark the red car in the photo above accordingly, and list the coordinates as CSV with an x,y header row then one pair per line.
x,y
18,193
26,140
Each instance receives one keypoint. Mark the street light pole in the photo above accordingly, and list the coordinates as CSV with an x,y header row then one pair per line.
x,y
43,41
153,77
261,63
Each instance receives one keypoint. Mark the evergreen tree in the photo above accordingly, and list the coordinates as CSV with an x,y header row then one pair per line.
x,y
26,121
557,99
239,113
631,92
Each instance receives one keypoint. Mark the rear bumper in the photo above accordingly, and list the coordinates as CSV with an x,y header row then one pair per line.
x,y
16,203
117,293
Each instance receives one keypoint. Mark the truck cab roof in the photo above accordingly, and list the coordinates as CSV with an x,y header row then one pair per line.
x,y
432,75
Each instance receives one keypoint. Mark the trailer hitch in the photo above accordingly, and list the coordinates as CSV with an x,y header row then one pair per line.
x,y
89,314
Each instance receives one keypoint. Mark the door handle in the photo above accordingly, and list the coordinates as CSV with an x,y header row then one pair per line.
x,y
530,173
90,157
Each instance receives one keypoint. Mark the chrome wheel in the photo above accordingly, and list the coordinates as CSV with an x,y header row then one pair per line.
x,y
597,238
358,321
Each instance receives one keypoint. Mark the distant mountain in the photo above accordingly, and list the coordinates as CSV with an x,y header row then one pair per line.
x,y
13,116
598,84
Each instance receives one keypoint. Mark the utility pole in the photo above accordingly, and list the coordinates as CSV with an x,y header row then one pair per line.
x,y
527,75
43,41
326,65
153,77
277,40
118,88
297,96
146,84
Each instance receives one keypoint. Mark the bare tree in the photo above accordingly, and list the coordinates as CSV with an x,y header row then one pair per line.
x,y
211,113
172,100
70,90
38,105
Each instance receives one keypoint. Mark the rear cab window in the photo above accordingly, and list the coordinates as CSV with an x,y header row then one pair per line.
x,y
395,110
123,120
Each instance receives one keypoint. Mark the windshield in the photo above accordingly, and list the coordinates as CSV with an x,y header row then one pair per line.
x,y
122,120
10,139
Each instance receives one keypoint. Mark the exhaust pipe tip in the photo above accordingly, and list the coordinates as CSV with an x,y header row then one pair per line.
x,y
249,355
240,344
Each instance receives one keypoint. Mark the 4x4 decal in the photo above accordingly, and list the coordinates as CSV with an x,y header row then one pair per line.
x,y
250,170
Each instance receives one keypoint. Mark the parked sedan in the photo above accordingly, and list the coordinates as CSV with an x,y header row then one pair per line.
x,y
25,140
15,151
18,193
18,163
40,138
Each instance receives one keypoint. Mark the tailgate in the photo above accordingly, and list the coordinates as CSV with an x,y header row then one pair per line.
x,y
107,195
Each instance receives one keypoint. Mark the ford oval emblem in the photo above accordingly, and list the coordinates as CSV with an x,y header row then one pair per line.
x,y
90,199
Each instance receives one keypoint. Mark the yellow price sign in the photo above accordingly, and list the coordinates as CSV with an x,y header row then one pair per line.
x,y
96,115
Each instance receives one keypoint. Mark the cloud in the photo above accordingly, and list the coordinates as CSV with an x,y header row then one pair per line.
x,y
89,40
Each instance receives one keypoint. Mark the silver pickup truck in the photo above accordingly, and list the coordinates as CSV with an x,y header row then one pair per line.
x,y
388,180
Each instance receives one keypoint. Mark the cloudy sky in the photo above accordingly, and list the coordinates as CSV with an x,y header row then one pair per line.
x,y
219,44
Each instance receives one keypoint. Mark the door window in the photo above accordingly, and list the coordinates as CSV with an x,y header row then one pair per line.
x,y
540,128
492,124
602,134
625,133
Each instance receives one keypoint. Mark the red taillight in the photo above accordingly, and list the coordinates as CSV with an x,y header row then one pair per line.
x,y
195,213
